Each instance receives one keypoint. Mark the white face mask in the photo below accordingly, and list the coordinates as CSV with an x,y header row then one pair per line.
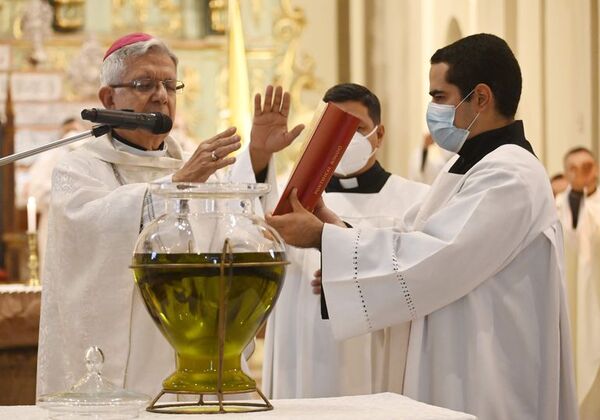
x,y
440,121
357,154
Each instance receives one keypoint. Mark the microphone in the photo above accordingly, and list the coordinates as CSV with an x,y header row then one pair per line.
x,y
155,122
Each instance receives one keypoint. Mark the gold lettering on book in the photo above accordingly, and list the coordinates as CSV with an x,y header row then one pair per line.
x,y
336,155
320,186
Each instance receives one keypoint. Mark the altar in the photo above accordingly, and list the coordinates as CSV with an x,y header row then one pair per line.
x,y
19,323
385,406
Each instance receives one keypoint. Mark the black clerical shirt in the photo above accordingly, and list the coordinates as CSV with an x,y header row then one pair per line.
x,y
476,148
369,182
130,144
575,198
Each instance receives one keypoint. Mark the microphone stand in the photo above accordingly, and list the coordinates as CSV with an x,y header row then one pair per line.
x,y
96,131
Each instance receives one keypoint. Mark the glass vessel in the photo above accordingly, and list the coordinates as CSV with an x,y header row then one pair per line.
x,y
209,271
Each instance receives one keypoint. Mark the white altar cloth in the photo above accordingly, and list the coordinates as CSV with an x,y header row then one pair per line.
x,y
385,406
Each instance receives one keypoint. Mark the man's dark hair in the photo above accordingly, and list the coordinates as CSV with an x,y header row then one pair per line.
x,y
483,58
578,149
353,92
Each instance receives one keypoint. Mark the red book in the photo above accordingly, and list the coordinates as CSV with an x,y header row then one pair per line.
x,y
329,135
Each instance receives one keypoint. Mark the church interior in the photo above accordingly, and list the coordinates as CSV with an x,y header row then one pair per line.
x,y
51,52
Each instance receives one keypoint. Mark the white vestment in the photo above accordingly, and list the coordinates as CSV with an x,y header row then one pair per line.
x,y
89,297
582,258
302,358
480,276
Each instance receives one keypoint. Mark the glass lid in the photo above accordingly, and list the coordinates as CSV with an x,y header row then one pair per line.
x,y
94,396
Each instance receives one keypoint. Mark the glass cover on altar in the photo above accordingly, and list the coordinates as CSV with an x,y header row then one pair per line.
x,y
93,396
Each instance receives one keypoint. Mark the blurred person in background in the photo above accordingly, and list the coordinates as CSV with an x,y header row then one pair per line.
x,y
579,212
558,183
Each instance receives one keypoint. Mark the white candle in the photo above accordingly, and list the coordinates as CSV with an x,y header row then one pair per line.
x,y
31,215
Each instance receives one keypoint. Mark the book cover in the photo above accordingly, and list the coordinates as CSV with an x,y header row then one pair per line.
x,y
328,137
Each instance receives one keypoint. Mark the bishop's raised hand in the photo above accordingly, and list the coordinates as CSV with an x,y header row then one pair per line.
x,y
270,126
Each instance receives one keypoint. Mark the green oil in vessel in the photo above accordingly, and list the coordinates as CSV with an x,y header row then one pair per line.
x,y
182,294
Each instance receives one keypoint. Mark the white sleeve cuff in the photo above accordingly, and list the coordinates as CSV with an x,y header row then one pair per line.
x,y
345,304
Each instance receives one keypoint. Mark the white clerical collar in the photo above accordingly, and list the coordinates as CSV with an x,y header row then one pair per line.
x,y
348,183
125,148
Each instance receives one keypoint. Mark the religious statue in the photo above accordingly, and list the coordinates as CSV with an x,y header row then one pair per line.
x,y
36,25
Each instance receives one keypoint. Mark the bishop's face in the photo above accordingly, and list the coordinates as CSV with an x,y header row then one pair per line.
x,y
155,66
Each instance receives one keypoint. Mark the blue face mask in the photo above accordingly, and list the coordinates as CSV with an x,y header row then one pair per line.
x,y
440,121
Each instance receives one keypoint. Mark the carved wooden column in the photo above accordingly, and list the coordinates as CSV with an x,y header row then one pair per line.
x,y
7,176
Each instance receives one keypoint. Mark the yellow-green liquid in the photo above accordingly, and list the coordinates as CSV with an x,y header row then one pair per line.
x,y
184,303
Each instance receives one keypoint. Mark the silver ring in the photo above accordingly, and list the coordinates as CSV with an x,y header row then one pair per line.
x,y
214,156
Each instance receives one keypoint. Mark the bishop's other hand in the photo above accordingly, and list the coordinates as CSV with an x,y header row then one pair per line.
x,y
210,155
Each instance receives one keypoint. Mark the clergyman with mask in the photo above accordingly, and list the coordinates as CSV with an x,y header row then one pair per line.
x,y
477,268
302,358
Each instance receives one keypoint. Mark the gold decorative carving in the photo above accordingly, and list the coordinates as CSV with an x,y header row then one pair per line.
x,y
257,8
68,14
294,72
218,15
191,78
161,17
192,115
222,96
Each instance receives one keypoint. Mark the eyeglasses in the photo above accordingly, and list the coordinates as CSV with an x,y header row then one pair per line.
x,y
150,85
